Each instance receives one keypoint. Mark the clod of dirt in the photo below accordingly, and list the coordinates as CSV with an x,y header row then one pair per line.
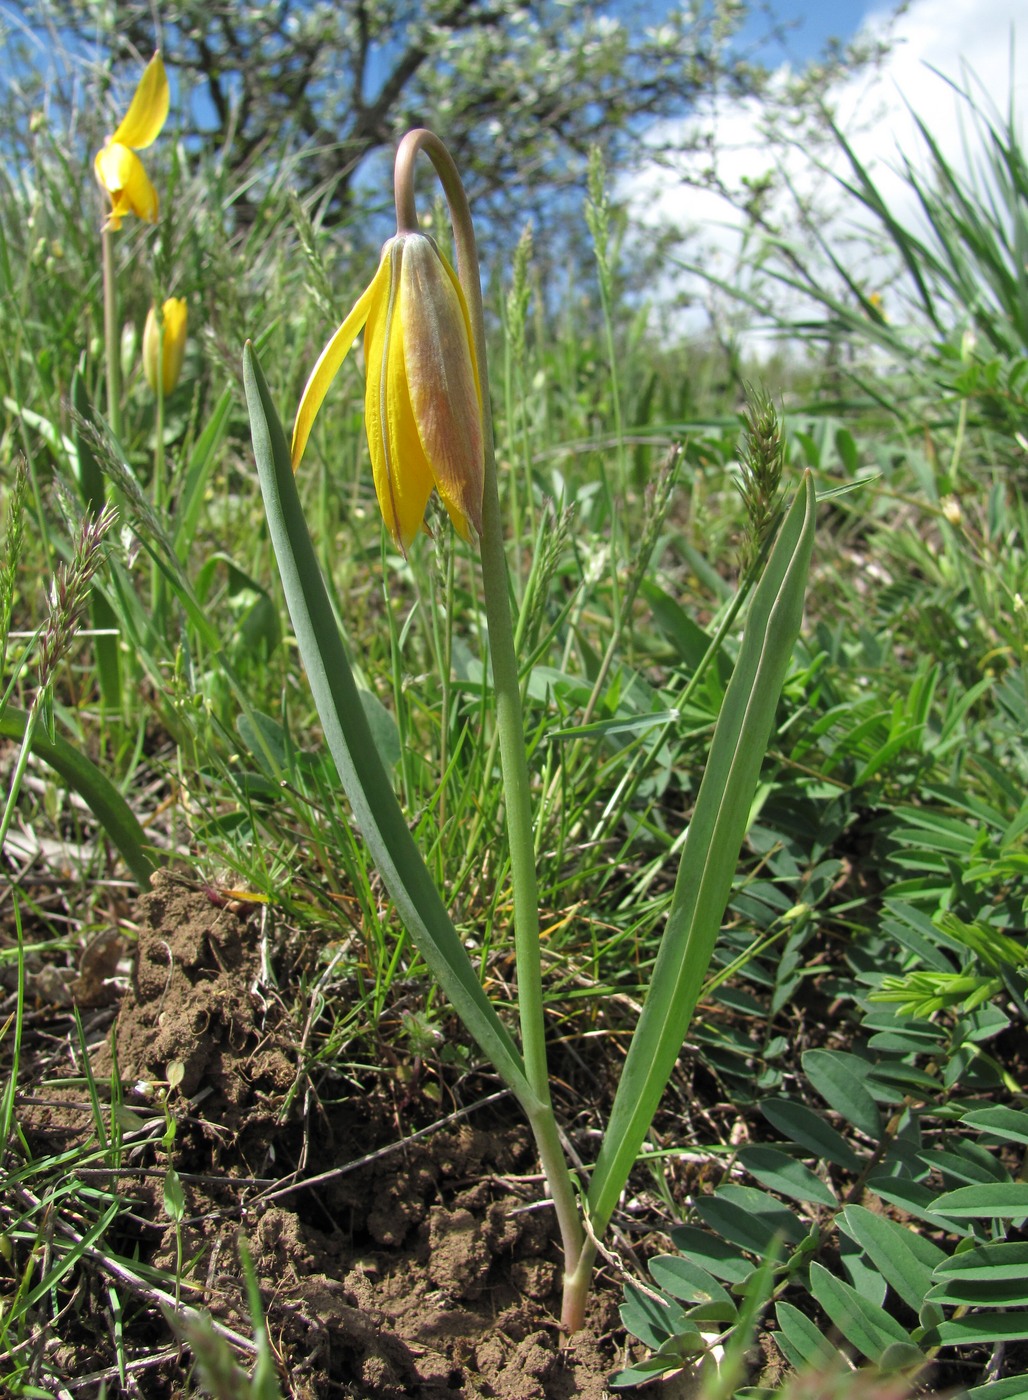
x,y
196,1000
426,1273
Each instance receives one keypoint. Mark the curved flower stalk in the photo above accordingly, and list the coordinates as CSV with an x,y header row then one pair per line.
x,y
118,168
423,403
164,344
427,411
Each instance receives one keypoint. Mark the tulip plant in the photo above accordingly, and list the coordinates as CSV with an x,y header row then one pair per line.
x,y
121,174
164,344
429,426
122,177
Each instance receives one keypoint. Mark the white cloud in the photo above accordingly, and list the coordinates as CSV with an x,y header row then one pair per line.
x,y
962,41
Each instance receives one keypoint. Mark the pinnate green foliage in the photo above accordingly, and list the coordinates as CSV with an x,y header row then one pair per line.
x,y
918,1270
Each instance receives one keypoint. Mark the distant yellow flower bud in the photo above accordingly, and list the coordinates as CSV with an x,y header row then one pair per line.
x,y
165,359
951,510
118,169
423,401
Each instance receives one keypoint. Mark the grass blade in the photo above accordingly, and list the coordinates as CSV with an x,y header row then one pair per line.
x,y
100,795
711,850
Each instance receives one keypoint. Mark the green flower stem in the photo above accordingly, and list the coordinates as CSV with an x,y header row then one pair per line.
x,y
159,491
112,335
510,726
509,722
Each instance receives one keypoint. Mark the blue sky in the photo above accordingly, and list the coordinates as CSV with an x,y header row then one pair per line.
x,y
815,22
934,46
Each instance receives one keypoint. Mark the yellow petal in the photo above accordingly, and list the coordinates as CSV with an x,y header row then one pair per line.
x,y
176,319
403,477
148,109
169,353
331,358
120,172
442,379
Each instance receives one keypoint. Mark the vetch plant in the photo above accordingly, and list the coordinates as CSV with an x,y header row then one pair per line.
x,y
427,411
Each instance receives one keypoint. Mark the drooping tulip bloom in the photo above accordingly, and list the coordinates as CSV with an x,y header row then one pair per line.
x,y
423,401
118,169
168,357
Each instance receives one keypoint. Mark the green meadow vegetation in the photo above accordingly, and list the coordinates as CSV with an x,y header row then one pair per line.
x,y
831,1200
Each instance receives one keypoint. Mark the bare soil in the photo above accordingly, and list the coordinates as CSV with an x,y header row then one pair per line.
x,y
389,1265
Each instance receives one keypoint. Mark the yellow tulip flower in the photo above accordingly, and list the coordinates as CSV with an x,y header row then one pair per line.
x,y
118,169
174,315
423,401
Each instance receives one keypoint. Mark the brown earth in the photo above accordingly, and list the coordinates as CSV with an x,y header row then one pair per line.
x,y
421,1266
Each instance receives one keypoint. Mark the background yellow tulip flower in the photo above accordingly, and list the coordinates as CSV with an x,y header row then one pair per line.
x,y
118,169
166,358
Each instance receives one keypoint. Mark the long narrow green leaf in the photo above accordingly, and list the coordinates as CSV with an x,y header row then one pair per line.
x,y
100,795
980,1328
808,1129
65,1262
1010,1388
840,1078
1009,1124
722,1260
752,1219
711,850
190,501
995,1263
688,1282
980,1293
377,812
